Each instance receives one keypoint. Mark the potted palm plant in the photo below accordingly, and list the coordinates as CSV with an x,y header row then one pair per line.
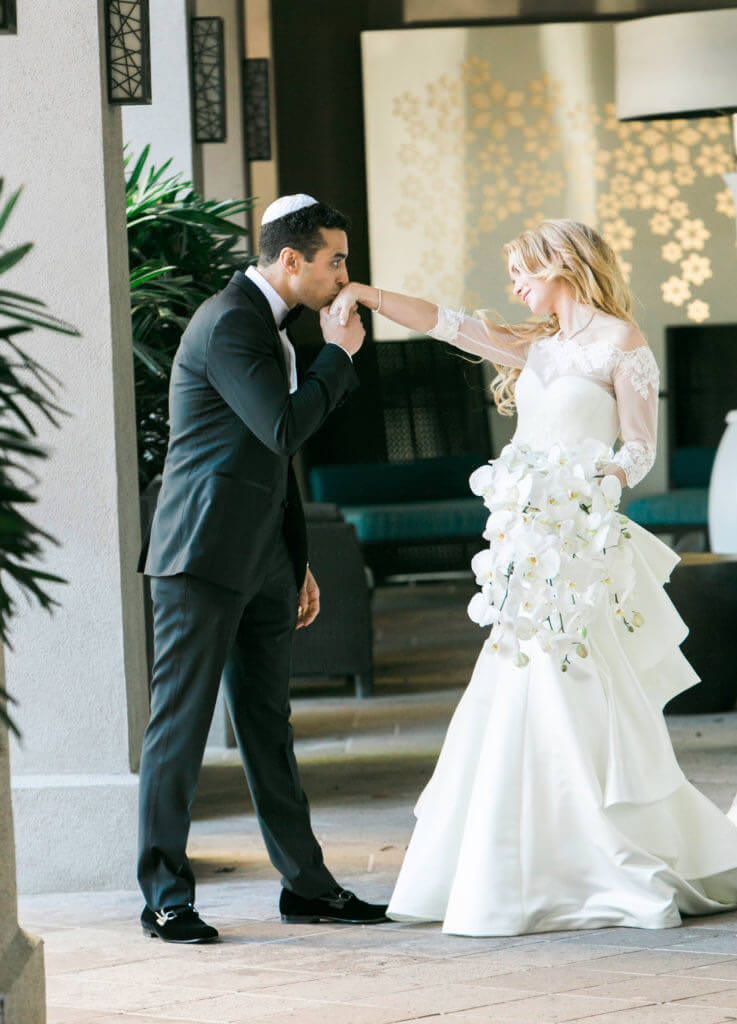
x,y
26,392
181,249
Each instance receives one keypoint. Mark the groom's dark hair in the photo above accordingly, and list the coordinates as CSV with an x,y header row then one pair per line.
x,y
299,230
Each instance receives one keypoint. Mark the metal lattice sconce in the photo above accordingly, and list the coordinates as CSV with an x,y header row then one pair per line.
x,y
208,79
7,16
128,45
256,108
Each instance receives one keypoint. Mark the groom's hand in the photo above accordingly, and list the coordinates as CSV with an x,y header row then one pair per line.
x,y
308,607
349,337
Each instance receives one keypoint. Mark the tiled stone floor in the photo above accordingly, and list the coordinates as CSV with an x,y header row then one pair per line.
x,y
363,765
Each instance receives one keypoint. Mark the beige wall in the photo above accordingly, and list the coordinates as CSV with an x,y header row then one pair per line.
x,y
222,162
475,134
165,124
264,181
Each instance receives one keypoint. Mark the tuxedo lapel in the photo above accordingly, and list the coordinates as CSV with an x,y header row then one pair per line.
x,y
259,300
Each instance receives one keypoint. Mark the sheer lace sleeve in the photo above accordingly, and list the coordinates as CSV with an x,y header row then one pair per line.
x,y
471,335
635,378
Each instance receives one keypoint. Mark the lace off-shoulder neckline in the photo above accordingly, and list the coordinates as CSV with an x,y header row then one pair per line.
x,y
603,356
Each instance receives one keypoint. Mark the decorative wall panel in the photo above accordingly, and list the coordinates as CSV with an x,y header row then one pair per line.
x,y
7,16
208,79
128,47
475,134
256,108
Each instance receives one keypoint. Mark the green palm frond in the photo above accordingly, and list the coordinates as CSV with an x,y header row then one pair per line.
x,y
26,388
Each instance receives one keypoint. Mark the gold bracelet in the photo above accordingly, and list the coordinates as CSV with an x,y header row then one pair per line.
x,y
378,308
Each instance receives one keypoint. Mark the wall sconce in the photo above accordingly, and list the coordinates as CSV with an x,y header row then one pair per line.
x,y
7,16
256,108
208,79
128,45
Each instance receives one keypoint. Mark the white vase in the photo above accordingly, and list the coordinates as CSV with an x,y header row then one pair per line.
x,y
723,492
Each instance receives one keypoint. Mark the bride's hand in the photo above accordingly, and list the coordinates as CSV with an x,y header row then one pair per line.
x,y
613,469
345,304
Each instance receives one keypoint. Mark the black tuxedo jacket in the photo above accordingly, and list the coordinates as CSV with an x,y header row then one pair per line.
x,y
228,480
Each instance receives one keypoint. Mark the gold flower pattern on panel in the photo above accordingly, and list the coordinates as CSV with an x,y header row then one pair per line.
x,y
698,310
675,290
725,204
499,158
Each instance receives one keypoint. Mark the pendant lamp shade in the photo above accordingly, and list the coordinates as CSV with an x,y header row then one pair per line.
x,y
676,65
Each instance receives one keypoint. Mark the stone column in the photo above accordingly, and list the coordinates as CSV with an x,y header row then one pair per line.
x,y
22,982
80,674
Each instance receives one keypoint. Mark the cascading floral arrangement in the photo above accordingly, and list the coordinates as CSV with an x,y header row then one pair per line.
x,y
558,550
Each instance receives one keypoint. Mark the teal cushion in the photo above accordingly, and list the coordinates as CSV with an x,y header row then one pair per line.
x,y
686,506
373,483
690,466
418,520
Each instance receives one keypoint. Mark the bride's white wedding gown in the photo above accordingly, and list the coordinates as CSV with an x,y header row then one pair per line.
x,y
557,801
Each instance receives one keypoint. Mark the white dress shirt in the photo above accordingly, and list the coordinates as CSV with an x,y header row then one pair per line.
x,y
280,309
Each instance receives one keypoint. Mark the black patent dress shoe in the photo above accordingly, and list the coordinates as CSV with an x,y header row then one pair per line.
x,y
340,906
177,924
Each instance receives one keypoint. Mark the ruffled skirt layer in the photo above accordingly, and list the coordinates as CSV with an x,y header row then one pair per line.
x,y
557,801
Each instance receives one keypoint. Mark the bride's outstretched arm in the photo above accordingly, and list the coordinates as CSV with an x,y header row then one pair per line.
x,y
468,333
416,314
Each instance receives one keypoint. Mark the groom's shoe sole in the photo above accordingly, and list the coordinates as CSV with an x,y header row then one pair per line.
x,y
318,919
151,934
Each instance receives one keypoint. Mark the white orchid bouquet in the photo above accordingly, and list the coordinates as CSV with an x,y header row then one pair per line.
x,y
558,550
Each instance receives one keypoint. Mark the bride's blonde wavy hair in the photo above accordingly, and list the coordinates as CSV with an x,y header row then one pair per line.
x,y
572,252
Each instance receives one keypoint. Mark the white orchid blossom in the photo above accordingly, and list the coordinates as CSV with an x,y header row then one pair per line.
x,y
557,550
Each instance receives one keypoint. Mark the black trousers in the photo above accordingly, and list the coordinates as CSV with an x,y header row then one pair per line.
x,y
196,626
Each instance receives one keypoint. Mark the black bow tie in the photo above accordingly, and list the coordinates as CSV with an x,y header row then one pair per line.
x,y
290,317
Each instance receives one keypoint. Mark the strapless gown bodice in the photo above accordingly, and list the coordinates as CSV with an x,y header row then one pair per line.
x,y
600,383
566,410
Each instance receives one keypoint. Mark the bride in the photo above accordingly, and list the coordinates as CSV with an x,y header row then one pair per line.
x,y
557,801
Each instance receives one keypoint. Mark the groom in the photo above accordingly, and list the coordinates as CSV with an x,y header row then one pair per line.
x,y
227,559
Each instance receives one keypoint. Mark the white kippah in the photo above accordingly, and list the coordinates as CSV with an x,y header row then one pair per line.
x,y
286,204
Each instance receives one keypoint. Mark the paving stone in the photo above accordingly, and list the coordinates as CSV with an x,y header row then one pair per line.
x,y
726,999
69,990
661,988
443,998
657,961
548,1009
65,1015
711,941
655,1013
543,954
557,979
235,1007
639,938
716,968
331,1013
93,959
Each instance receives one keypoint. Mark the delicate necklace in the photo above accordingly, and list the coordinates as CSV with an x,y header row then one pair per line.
x,y
571,336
